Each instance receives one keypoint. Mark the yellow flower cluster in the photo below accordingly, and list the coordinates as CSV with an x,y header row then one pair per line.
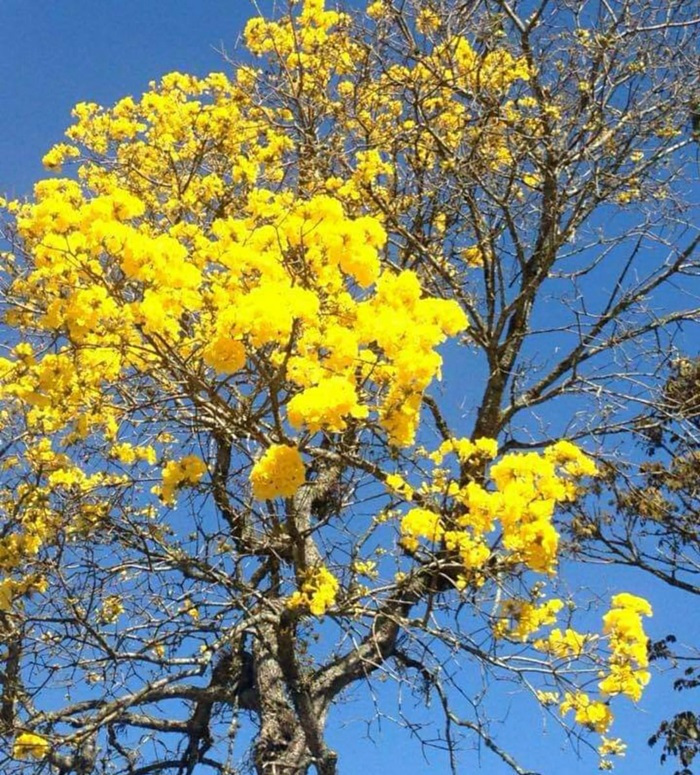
x,y
189,470
529,487
312,49
626,665
473,551
399,486
29,745
525,618
427,21
611,747
366,568
504,514
628,646
182,251
279,473
111,609
61,389
472,256
547,698
12,589
377,9
326,405
317,591
37,512
407,328
594,714
241,292
524,493
568,644
129,454
465,449
420,523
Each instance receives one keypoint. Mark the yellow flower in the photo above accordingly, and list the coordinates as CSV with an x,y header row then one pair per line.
x,y
420,523
427,21
279,473
398,485
527,617
29,745
589,713
611,747
547,698
366,568
111,610
317,591
377,10
178,473
633,603
472,256
326,405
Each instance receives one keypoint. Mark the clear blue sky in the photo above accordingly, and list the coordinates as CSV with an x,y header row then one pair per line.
x,y
56,53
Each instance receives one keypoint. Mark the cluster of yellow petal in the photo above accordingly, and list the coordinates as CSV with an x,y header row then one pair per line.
x,y
473,551
317,591
503,514
377,9
529,487
547,698
568,644
626,672
366,568
472,256
129,454
420,523
397,485
520,618
628,646
407,328
465,449
611,747
183,251
468,71
328,404
29,745
519,496
33,517
189,470
111,609
456,88
313,48
59,390
12,590
594,714
439,81
279,473
428,21
288,275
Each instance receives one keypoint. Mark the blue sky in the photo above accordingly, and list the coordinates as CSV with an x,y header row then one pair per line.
x,y
55,54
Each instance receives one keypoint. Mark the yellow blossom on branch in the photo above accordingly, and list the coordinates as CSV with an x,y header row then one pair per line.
x,y
279,473
317,591
29,745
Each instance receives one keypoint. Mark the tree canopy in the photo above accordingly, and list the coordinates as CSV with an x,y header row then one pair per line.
x,y
232,486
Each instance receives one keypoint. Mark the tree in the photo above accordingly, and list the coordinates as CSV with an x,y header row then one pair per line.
x,y
231,487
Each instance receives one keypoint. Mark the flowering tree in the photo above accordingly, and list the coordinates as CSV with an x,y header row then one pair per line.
x,y
231,487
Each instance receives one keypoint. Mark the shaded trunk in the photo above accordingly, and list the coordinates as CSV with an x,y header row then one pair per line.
x,y
290,741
